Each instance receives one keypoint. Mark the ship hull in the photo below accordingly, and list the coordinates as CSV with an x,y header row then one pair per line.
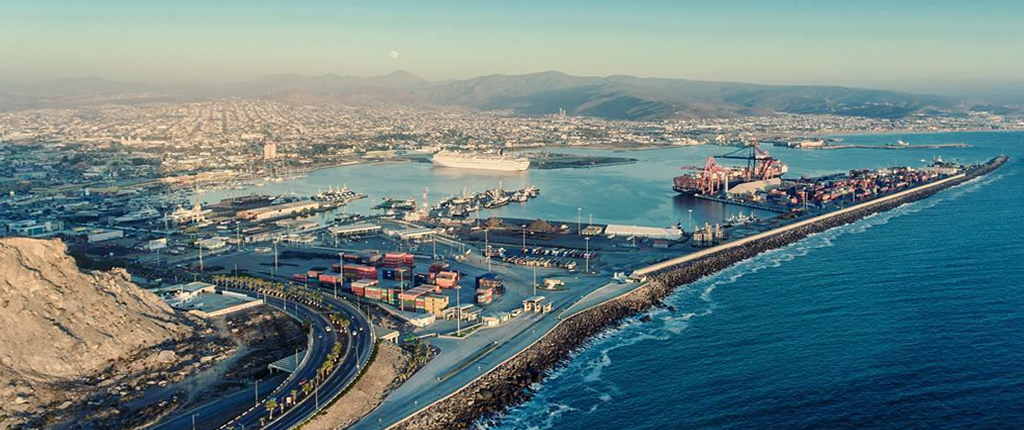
x,y
482,164
692,190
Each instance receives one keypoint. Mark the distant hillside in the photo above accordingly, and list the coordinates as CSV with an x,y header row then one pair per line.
x,y
627,97
614,97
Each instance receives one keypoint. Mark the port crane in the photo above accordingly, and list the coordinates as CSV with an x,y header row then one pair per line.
x,y
709,177
760,164
713,178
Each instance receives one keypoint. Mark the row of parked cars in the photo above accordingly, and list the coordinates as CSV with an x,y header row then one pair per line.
x,y
541,262
559,252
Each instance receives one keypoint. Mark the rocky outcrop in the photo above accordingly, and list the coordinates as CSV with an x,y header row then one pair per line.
x,y
59,324
508,384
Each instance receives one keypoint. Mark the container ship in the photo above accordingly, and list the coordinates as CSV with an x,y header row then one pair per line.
x,y
713,179
461,160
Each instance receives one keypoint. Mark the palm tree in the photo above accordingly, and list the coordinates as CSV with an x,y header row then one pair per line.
x,y
271,405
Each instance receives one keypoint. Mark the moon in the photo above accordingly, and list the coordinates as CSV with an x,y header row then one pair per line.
x,y
394,55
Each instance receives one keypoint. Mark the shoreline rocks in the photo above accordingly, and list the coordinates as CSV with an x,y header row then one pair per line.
x,y
509,384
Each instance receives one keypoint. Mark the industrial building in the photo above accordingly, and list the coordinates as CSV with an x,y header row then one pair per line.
x,y
412,233
278,211
670,233
360,229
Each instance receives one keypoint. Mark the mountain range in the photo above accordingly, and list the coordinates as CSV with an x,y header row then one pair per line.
x,y
612,97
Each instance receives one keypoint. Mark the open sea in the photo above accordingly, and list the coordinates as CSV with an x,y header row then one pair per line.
x,y
912,318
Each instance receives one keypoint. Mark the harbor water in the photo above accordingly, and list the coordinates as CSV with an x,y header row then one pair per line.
x,y
907,319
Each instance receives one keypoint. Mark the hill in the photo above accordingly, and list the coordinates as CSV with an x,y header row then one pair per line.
x,y
59,324
612,97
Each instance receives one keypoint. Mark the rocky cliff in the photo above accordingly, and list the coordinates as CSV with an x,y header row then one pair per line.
x,y
59,324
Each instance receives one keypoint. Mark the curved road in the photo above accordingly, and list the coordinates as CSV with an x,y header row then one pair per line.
x,y
359,341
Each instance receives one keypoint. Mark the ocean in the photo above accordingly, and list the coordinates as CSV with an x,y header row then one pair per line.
x,y
912,318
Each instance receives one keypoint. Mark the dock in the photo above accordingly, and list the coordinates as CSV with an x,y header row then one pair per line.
x,y
741,203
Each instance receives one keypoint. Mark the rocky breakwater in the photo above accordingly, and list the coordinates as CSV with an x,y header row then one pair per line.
x,y
509,383
63,332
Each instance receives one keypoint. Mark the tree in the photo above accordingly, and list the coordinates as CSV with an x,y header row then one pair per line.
x,y
271,405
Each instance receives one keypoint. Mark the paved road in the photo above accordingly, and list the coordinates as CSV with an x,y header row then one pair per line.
x,y
360,342
238,408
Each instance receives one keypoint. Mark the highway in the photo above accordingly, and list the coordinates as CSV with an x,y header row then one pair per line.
x,y
359,341
238,409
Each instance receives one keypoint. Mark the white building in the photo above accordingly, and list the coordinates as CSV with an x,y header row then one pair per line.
x,y
269,151
670,233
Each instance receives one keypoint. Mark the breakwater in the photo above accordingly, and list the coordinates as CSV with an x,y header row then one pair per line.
x,y
508,384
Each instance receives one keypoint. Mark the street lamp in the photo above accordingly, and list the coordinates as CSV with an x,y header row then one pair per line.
x,y
586,257
524,236
487,248
194,421
579,221
341,272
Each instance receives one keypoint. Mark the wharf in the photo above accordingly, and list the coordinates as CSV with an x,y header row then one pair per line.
x,y
741,203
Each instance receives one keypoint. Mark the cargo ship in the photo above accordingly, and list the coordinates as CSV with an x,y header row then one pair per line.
x,y
481,161
714,179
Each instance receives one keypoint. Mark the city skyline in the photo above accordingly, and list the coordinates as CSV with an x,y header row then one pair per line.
x,y
915,46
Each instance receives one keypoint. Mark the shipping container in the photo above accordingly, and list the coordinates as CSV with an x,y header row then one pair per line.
x,y
398,259
423,278
361,272
447,279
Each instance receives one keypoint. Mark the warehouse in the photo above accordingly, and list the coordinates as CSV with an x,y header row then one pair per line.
x,y
671,233
278,211
360,229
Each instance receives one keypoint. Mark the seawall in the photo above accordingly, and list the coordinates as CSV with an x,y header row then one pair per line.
x,y
507,384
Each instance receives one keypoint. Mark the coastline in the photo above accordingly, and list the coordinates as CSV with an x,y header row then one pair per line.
x,y
507,384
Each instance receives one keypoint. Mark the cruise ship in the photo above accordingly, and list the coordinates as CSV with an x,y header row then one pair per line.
x,y
463,160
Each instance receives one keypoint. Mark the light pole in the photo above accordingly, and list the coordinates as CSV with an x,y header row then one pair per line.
x,y
534,280
275,257
487,248
524,236
257,392
458,307
586,256
194,421
690,215
341,272
579,221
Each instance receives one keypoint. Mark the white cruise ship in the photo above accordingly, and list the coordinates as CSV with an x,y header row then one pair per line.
x,y
463,160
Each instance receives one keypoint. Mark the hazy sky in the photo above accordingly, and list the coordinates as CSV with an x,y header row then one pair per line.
x,y
858,42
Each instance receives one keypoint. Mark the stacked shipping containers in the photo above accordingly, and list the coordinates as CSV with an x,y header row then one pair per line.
x,y
447,279
360,272
398,259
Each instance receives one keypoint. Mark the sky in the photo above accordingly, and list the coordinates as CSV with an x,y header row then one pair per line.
x,y
856,42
